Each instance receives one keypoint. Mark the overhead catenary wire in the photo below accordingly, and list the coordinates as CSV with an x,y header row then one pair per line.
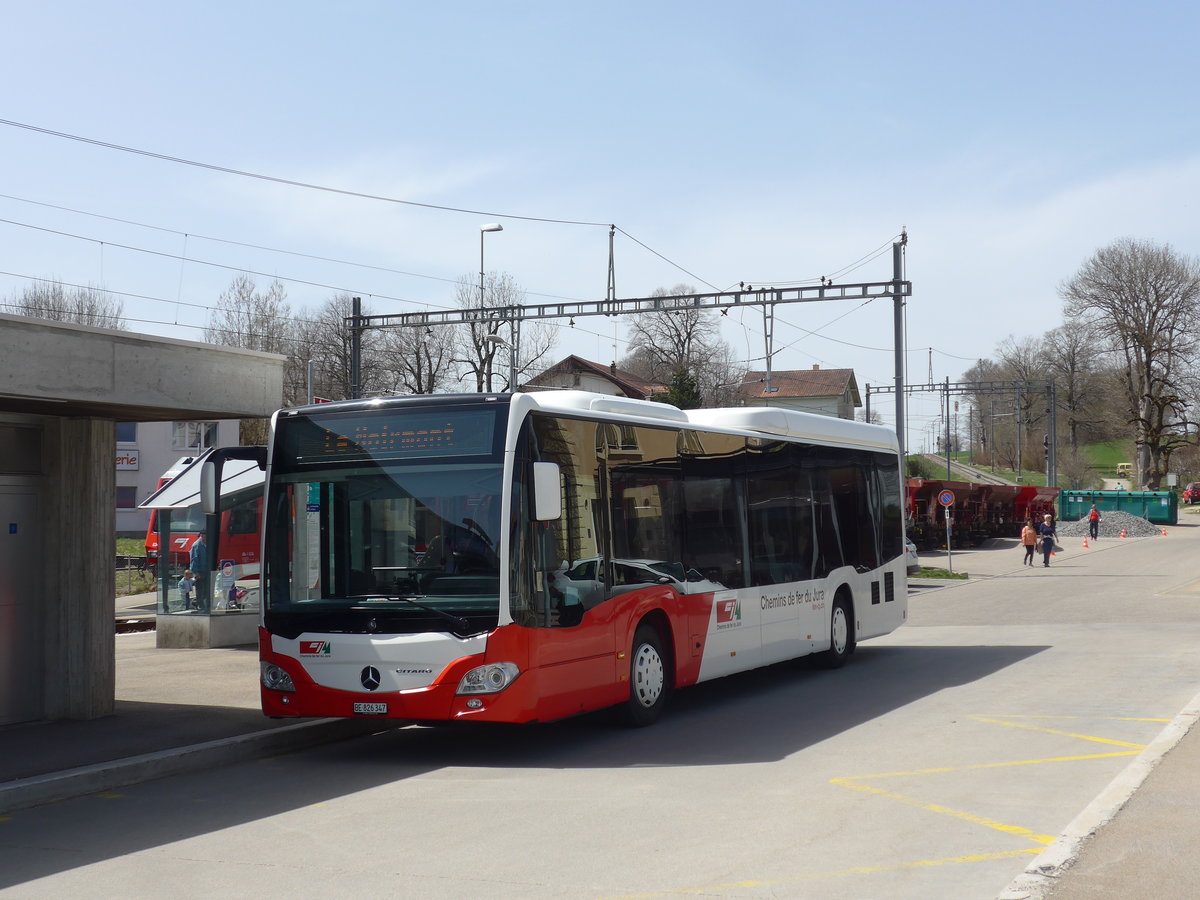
x,y
250,246
362,195
228,170
201,306
354,291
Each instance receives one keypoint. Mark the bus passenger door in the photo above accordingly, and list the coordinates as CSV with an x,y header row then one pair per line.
x,y
572,648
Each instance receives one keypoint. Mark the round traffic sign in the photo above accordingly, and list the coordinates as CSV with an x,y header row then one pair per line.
x,y
946,498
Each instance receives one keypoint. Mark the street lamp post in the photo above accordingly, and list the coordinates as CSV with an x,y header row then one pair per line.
x,y
484,229
494,340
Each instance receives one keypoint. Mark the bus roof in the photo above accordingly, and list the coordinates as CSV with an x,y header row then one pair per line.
x,y
771,420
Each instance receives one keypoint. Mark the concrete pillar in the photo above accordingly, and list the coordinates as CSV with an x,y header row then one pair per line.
x,y
80,680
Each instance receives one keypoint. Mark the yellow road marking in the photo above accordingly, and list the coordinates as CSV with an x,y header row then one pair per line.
x,y
1043,839
1038,840
1070,734
996,765
815,876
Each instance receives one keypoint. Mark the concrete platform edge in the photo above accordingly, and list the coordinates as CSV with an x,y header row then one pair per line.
x,y
27,792
1040,875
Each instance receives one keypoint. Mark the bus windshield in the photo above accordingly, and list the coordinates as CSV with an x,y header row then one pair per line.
x,y
375,537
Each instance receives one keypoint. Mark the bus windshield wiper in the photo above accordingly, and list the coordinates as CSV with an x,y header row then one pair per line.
x,y
461,624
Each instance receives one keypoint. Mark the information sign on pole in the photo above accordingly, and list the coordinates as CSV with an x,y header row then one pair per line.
x,y
946,498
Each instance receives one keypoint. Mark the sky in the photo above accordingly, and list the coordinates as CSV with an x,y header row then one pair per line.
x,y
769,143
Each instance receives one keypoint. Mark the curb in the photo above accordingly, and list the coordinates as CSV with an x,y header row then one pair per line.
x,y
1041,875
26,792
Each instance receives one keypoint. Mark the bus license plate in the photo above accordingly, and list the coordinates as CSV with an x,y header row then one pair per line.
x,y
370,709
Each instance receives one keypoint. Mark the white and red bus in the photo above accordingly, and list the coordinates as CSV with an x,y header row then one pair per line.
x,y
527,557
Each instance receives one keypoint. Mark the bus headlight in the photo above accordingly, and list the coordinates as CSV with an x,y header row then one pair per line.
x,y
489,679
275,678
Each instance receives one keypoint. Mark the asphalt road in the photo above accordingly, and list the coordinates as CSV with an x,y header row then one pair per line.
x,y
939,763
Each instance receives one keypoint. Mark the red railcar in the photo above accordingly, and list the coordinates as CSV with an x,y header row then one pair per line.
x,y
979,512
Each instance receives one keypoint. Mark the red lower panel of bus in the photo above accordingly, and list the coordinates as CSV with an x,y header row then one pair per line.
x,y
564,671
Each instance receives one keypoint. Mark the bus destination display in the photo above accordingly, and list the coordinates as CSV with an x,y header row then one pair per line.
x,y
397,436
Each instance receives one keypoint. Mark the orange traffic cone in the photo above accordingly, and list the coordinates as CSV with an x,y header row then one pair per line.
x,y
1122,532
1164,532
1085,546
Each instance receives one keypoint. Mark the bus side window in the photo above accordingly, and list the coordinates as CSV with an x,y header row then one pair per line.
x,y
713,533
780,528
561,549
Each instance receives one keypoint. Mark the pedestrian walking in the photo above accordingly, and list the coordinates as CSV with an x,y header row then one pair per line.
x,y
1049,536
1094,523
1029,539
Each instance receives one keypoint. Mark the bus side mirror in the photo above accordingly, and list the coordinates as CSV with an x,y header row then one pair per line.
x,y
547,491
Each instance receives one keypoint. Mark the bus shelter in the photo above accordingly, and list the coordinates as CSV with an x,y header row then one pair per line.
x,y
208,571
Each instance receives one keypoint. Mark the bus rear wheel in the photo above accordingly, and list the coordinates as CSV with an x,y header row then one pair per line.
x,y
649,684
841,635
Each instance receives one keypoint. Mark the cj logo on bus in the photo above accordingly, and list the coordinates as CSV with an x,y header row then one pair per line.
x,y
729,613
316,648
369,678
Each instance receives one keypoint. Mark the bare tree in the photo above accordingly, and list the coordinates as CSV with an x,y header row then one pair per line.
x,y
1072,356
417,360
1024,360
1144,298
91,306
328,340
251,319
483,346
662,343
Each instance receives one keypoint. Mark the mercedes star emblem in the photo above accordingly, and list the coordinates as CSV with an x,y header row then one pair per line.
x,y
370,678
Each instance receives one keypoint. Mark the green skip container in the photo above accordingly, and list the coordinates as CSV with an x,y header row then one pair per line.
x,y
1159,507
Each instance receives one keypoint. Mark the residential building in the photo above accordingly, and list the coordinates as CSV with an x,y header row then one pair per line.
x,y
578,374
145,450
829,392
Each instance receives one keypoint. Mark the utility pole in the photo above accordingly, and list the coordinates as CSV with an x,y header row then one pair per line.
x,y
948,474
898,295
356,330
1019,418
769,339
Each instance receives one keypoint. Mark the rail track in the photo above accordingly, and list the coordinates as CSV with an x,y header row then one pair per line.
x,y
959,472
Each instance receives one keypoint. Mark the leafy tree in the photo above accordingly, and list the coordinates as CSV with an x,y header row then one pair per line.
x,y
682,391
1143,299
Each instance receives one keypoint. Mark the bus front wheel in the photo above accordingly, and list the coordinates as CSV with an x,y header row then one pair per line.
x,y
648,681
841,635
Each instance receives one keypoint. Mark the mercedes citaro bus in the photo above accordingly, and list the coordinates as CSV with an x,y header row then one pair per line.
x,y
526,557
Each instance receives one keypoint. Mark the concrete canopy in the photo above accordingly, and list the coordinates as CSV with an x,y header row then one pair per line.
x,y
63,370
62,388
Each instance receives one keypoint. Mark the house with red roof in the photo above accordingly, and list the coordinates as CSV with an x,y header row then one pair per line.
x,y
829,392
578,374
